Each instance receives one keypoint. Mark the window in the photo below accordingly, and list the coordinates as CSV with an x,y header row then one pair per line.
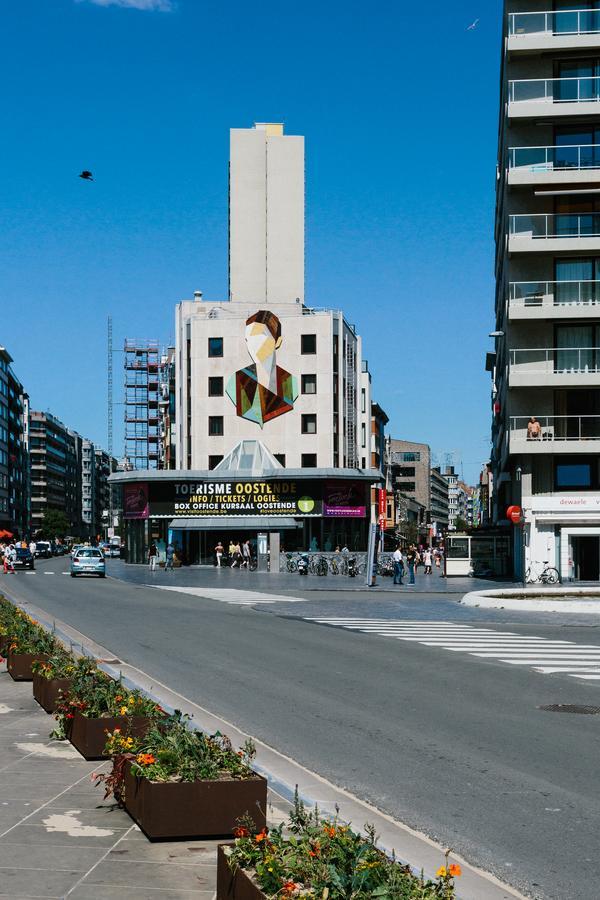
x,y
215,346
309,384
408,457
215,425
309,423
309,460
280,457
363,400
308,343
363,431
215,387
406,471
213,461
573,473
406,486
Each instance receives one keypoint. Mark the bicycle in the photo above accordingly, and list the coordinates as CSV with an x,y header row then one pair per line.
x,y
292,563
318,566
549,575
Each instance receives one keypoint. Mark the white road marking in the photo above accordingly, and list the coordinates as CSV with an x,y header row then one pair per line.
x,y
49,573
233,596
543,655
5,709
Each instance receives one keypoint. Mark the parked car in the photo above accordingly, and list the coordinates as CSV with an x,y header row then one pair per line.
x,y
43,549
115,547
24,558
88,561
75,548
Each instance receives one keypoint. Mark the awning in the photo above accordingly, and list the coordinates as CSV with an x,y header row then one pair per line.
x,y
234,523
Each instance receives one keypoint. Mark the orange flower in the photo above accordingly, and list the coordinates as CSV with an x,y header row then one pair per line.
x,y
289,887
441,872
329,829
455,870
240,832
145,759
261,836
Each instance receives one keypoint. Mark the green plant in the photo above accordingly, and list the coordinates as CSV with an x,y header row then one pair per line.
x,y
96,696
171,752
59,664
318,857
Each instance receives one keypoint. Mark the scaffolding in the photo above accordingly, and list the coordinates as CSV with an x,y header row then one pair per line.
x,y
142,364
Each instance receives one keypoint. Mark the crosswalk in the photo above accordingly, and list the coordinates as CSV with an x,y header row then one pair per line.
x,y
231,596
541,654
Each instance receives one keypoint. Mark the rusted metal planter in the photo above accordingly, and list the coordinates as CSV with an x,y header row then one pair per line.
x,y
89,735
19,664
48,690
234,885
193,809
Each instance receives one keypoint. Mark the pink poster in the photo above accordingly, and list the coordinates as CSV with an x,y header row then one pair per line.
x,y
135,501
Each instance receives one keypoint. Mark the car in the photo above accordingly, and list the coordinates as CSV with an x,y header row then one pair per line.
x,y
88,561
105,547
43,549
24,558
75,549
59,549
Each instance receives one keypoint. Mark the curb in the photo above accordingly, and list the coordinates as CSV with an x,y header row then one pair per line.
x,y
526,601
284,774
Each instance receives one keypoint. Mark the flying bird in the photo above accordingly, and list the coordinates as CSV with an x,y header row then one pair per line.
x,y
473,25
87,176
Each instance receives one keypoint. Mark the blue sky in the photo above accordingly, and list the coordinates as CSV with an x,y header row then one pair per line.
x,y
398,103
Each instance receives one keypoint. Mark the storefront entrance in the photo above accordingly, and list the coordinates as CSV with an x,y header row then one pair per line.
x,y
586,558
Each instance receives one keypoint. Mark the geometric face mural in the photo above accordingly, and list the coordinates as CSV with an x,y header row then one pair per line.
x,y
263,390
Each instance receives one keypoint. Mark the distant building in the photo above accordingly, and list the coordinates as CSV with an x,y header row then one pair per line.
x,y
439,502
88,489
54,470
166,405
14,461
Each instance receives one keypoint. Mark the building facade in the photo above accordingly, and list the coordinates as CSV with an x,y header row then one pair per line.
x,y
439,502
88,489
14,459
546,368
55,483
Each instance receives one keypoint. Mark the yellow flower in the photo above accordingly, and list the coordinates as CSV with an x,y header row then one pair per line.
x,y
441,872
123,710
132,700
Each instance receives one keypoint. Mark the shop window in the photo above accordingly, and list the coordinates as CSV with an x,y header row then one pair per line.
x,y
215,346
215,425
309,384
309,460
215,387
280,457
309,423
308,343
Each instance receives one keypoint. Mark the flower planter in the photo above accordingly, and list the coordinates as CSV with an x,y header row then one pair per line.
x,y
89,735
19,664
3,644
234,885
193,809
48,690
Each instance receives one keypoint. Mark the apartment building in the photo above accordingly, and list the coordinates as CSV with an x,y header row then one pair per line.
x,y
14,460
88,488
438,501
54,452
546,367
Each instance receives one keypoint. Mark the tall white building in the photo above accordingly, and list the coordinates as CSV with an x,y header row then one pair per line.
x,y
546,367
266,215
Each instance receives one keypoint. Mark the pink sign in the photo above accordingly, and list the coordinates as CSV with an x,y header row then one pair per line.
x,y
135,501
344,499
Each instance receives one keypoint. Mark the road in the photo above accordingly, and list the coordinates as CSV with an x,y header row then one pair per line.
x,y
451,743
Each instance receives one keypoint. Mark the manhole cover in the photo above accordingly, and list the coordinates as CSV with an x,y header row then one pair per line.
x,y
572,708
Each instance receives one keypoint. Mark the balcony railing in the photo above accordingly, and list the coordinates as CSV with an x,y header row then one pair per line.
x,y
556,428
551,159
554,293
556,225
568,21
555,361
584,89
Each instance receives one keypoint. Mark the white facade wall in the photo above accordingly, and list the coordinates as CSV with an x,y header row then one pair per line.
x,y
196,322
266,216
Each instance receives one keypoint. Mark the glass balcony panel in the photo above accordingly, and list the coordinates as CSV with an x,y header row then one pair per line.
x,y
566,157
528,23
566,22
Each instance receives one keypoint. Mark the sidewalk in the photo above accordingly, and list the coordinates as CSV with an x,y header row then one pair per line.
x,y
60,839
286,582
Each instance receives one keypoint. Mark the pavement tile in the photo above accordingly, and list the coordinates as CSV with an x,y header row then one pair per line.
x,y
130,874
204,853
36,882
103,817
115,892
38,834
43,856
21,786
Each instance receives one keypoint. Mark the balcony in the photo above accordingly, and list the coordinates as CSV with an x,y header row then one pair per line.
x,y
554,97
553,300
554,367
560,30
566,164
570,434
551,232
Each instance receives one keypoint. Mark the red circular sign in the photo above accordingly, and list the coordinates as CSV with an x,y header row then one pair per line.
x,y
515,514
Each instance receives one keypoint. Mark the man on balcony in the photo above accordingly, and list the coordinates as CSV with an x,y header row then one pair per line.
x,y
534,429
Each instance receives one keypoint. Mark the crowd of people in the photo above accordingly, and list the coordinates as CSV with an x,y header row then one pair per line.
x,y
425,556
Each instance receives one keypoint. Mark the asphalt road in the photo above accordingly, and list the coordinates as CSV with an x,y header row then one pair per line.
x,y
451,744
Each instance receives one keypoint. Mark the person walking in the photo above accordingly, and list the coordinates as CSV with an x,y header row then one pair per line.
x,y
428,561
170,557
237,556
219,549
398,565
152,554
10,555
246,554
411,559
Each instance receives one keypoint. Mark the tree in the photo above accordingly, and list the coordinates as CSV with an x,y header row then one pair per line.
x,y
55,524
461,524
